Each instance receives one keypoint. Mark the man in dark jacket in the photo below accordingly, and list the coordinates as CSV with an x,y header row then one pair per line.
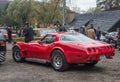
x,y
28,33
63,28
98,33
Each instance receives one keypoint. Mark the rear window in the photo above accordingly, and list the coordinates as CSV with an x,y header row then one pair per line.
x,y
78,37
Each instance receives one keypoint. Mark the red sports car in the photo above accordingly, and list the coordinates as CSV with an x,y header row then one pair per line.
x,y
62,49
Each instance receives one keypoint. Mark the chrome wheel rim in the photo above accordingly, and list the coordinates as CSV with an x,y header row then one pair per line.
x,y
57,60
17,54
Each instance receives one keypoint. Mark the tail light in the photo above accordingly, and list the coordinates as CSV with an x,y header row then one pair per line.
x,y
3,43
108,47
111,47
91,50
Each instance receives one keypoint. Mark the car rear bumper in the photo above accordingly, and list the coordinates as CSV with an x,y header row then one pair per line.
x,y
77,59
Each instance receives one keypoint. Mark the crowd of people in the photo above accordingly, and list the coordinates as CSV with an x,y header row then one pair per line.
x,y
88,31
28,33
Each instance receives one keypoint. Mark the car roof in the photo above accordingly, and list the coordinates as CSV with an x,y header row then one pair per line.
x,y
57,33
60,33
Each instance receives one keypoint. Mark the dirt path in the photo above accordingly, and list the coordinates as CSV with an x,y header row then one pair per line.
x,y
11,71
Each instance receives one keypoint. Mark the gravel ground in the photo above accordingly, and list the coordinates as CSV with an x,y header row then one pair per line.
x,y
10,71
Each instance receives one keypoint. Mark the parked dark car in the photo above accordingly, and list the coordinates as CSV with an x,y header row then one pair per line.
x,y
111,38
2,48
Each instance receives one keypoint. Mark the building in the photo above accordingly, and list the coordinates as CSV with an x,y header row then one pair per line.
x,y
107,20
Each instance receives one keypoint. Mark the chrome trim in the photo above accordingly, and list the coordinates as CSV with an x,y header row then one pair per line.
x,y
37,60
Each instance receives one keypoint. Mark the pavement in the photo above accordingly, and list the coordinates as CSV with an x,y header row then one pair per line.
x,y
104,71
9,46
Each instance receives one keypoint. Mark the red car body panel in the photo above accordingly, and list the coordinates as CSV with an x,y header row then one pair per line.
x,y
74,52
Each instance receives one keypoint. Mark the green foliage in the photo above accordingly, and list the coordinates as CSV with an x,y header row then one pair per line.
x,y
1,12
48,11
19,10
34,11
4,19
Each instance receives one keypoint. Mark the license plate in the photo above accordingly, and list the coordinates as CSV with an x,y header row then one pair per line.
x,y
102,57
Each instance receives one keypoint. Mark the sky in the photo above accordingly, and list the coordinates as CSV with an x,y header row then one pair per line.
x,y
82,4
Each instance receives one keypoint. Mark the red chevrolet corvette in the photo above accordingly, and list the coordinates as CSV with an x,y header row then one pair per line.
x,y
62,49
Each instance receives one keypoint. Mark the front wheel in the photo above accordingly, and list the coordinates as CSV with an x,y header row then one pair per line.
x,y
58,61
17,55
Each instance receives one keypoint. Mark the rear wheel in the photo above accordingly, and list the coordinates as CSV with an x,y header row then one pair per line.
x,y
58,61
17,55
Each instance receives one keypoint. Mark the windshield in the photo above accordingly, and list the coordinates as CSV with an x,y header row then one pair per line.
x,y
75,37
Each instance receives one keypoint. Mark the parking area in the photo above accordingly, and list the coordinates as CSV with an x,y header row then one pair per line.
x,y
107,71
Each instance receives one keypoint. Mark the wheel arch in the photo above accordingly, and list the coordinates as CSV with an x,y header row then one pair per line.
x,y
18,46
63,51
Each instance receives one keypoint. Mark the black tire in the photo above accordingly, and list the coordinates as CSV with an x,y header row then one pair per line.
x,y
17,55
92,63
58,61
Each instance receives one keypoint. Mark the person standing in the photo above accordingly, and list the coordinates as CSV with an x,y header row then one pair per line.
x,y
91,33
98,33
28,33
9,34
20,32
71,29
63,28
82,30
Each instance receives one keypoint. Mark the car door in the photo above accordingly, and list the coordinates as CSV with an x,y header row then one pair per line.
x,y
28,49
42,49
32,49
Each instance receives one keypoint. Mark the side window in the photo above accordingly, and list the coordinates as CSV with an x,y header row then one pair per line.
x,y
48,39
